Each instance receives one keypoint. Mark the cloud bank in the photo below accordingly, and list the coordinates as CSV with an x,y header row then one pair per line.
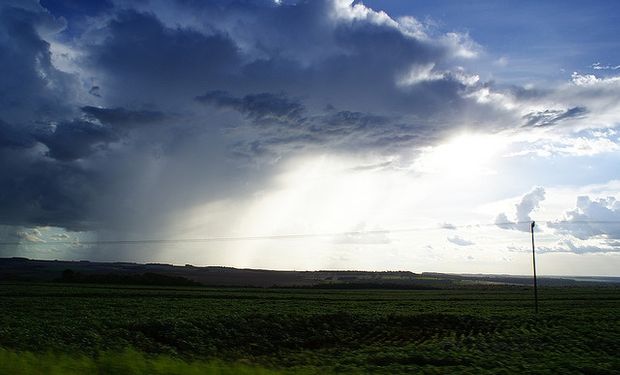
x,y
116,119
591,218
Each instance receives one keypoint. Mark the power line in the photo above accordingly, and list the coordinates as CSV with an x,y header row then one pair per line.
x,y
502,225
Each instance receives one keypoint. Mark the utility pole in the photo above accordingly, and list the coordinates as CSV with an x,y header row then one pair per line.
x,y
534,264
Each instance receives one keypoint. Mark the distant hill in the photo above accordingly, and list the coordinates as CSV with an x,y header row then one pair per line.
x,y
22,269
147,278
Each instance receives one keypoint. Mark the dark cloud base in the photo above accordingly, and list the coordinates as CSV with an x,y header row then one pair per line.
x,y
149,114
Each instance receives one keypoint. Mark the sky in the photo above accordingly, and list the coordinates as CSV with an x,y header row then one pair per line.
x,y
329,134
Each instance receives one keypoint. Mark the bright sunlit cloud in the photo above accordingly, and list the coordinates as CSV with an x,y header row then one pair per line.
x,y
465,156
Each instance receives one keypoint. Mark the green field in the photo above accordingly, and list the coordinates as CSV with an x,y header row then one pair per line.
x,y
57,328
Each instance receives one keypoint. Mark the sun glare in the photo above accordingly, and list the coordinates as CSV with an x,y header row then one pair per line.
x,y
467,155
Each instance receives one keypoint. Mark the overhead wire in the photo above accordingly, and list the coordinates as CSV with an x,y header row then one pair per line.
x,y
502,225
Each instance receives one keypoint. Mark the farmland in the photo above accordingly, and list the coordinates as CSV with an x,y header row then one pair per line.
x,y
47,327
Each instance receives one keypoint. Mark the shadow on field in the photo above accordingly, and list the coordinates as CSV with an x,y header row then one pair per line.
x,y
266,333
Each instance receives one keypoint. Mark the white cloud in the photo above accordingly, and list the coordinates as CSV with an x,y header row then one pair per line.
x,y
363,238
528,204
447,226
60,236
591,79
586,143
349,11
460,241
599,66
461,45
570,246
413,27
465,78
420,73
488,96
592,217
32,235
502,61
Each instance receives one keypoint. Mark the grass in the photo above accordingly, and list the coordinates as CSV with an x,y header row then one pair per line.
x,y
470,330
123,362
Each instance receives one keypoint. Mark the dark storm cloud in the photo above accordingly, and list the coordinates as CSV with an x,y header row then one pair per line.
x,y
341,120
141,59
75,139
31,88
123,117
552,117
281,71
40,191
233,87
35,189
263,107
12,136
286,121
76,9
294,49
56,166
269,108
94,91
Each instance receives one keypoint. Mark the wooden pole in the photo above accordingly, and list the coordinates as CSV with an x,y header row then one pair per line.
x,y
534,266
